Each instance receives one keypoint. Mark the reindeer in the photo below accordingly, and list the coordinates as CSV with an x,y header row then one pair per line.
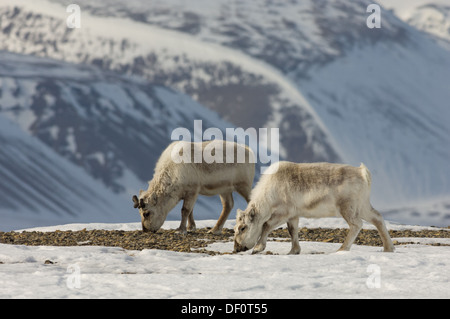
x,y
288,191
223,167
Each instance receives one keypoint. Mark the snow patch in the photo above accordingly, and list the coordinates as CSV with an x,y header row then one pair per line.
x,y
318,272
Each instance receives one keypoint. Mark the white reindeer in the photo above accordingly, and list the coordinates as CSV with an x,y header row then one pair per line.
x,y
288,191
178,177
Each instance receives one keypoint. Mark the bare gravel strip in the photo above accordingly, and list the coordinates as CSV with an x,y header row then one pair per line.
x,y
194,241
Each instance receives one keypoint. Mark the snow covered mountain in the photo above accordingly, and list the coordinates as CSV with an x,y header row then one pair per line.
x,y
337,90
245,91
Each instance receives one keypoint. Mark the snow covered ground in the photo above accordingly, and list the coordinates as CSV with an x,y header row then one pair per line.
x,y
413,271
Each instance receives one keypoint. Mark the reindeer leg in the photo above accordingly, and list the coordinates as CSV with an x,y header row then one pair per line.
x,y
355,225
266,229
374,217
191,222
186,212
354,222
227,204
292,225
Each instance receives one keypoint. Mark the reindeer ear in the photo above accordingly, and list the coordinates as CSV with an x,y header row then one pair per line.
x,y
252,213
154,199
135,201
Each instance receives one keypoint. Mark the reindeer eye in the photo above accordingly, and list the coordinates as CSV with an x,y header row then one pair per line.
x,y
146,214
243,228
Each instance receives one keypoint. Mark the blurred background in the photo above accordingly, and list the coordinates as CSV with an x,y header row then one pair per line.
x,y
85,112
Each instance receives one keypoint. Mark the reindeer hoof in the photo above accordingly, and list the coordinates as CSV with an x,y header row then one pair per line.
x,y
181,231
215,231
258,249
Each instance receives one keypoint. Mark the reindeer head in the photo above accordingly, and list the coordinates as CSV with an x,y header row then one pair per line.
x,y
247,230
152,217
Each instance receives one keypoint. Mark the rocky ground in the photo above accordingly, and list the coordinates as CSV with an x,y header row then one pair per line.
x,y
194,241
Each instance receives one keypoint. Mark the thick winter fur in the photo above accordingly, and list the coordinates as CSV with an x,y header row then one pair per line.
x,y
307,190
173,182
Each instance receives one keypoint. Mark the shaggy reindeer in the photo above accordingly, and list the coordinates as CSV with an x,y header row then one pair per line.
x,y
289,191
175,180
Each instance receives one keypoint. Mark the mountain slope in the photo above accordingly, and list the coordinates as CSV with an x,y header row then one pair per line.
x,y
435,212
74,120
244,91
394,120
110,125
291,36
381,93
430,16
39,187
